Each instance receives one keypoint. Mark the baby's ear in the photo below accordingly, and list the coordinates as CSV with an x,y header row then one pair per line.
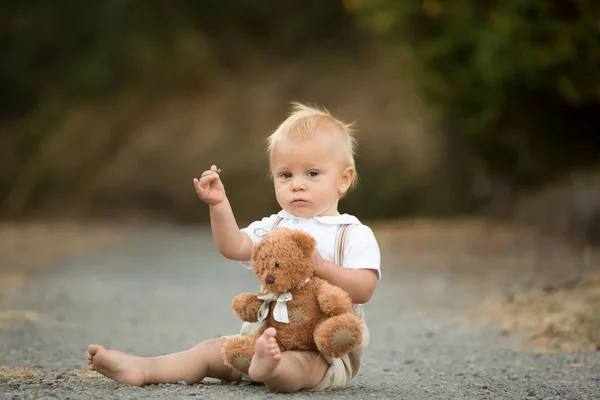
x,y
305,242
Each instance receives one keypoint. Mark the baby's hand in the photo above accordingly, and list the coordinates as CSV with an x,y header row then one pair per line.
x,y
209,187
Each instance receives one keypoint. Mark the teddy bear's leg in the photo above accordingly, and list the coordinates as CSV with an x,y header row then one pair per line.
x,y
237,352
339,335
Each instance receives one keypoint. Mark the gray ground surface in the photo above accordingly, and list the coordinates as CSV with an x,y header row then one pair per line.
x,y
167,289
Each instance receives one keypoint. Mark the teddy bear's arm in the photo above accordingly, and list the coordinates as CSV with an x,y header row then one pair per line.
x,y
333,300
246,306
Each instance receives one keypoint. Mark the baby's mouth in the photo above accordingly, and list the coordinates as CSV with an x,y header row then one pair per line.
x,y
299,202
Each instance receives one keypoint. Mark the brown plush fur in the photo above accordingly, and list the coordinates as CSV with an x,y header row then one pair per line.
x,y
319,318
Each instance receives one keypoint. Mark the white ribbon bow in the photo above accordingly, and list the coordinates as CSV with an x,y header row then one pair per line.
x,y
280,312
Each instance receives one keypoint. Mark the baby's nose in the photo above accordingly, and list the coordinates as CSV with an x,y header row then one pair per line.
x,y
297,184
269,279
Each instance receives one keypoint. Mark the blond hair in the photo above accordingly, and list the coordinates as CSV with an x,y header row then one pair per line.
x,y
305,122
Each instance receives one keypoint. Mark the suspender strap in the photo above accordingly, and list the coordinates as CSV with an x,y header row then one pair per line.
x,y
338,258
279,219
340,243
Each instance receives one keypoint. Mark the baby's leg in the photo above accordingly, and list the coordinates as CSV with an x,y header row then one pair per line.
x,y
192,365
285,372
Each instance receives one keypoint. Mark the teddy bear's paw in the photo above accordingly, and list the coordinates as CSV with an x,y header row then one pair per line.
x,y
344,337
241,362
337,336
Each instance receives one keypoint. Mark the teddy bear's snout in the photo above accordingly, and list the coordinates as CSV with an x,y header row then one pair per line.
x,y
270,279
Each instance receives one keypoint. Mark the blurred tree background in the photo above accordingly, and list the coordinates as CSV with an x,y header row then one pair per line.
x,y
110,108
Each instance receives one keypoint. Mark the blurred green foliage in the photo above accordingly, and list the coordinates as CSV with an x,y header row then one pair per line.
x,y
64,49
519,80
68,64
513,85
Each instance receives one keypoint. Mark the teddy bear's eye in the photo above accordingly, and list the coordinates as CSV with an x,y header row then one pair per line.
x,y
276,264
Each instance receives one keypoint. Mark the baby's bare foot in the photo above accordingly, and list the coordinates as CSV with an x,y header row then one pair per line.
x,y
121,367
267,356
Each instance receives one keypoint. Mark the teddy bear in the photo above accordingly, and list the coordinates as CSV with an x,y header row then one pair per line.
x,y
307,312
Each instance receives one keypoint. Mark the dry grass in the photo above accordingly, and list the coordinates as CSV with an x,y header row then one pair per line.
x,y
11,316
497,257
476,248
19,373
37,244
85,373
562,321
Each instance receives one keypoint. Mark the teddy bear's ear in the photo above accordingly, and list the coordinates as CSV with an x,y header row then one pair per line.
x,y
256,250
305,242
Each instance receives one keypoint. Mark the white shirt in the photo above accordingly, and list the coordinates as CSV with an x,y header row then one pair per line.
x,y
361,251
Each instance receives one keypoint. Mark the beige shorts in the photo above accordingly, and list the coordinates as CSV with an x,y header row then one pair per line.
x,y
341,371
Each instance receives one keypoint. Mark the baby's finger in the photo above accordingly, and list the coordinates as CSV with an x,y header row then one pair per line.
x,y
196,184
209,172
206,180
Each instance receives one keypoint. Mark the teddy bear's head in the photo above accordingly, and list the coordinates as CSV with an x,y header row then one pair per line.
x,y
283,259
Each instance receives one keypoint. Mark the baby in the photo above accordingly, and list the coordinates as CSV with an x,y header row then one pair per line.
x,y
312,165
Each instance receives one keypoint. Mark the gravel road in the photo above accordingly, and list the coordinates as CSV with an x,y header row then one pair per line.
x,y
166,289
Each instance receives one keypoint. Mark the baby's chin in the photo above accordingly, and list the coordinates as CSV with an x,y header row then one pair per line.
x,y
309,211
301,212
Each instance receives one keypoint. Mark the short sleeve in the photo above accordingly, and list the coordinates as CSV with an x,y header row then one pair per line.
x,y
362,250
258,229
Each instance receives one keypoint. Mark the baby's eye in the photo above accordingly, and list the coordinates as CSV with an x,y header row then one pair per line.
x,y
313,174
276,264
285,175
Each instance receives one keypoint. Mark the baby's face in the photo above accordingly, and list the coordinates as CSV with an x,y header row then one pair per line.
x,y
309,175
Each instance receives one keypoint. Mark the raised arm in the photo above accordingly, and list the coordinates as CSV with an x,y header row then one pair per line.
x,y
230,241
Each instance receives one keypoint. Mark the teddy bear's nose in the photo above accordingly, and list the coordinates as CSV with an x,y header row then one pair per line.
x,y
269,279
